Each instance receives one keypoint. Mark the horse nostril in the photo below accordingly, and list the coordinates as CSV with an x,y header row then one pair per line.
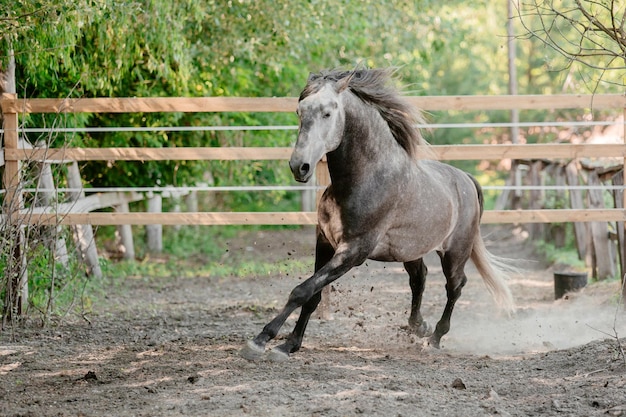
x,y
304,169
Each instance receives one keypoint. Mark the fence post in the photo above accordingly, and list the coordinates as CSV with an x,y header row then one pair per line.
x,y
52,234
603,265
618,196
83,233
154,232
191,201
16,296
536,230
126,233
581,230
323,179
623,247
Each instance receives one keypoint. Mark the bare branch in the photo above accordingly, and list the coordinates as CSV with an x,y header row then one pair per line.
x,y
590,32
25,15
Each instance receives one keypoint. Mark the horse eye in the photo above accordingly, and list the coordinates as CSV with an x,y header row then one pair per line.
x,y
326,115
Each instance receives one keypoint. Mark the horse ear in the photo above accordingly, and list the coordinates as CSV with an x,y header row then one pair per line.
x,y
343,83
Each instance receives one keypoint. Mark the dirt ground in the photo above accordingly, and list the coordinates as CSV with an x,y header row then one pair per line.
x,y
170,347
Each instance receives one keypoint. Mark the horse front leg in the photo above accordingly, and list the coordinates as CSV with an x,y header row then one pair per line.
x,y
342,261
323,254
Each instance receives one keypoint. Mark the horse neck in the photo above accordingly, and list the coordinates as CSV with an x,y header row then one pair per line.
x,y
367,144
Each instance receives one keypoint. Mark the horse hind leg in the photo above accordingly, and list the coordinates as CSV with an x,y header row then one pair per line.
x,y
453,269
417,280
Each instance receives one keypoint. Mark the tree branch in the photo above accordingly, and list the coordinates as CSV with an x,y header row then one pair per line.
x,y
577,32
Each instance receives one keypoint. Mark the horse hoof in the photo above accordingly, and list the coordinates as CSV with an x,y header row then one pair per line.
x,y
425,330
434,342
277,355
251,351
427,346
422,330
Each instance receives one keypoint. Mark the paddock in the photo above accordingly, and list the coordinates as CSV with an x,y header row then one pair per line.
x,y
169,346
16,152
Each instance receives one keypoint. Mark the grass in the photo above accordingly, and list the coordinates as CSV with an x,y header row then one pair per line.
x,y
176,267
562,256
56,291
204,252
565,257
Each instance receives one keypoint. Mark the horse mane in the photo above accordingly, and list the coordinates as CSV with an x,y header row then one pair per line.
x,y
376,88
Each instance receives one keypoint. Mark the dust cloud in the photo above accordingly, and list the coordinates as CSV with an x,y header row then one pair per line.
x,y
375,301
543,324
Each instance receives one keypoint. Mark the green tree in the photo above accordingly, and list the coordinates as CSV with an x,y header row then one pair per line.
x,y
87,48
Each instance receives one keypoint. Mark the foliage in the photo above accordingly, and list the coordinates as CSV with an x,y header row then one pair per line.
x,y
55,288
590,33
186,253
90,48
565,256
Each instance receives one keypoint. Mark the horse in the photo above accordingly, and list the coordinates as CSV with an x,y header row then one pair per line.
x,y
388,200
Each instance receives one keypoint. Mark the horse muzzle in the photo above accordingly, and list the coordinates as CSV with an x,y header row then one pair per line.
x,y
302,171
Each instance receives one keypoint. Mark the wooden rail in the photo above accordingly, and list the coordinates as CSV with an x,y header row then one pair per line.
x,y
12,107
288,104
295,218
442,152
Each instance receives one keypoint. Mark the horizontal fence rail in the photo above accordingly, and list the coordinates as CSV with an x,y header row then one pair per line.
x,y
301,218
14,154
288,104
441,152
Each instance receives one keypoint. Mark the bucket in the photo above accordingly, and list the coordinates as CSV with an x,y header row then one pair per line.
x,y
565,282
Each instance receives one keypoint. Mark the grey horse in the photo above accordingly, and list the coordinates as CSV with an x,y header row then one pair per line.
x,y
387,201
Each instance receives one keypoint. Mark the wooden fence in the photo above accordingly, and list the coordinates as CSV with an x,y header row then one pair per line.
x,y
12,107
14,155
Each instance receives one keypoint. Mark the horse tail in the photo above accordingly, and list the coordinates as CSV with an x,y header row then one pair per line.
x,y
494,272
481,198
492,268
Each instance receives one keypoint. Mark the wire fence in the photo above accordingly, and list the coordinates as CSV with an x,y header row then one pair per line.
x,y
114,129
261,188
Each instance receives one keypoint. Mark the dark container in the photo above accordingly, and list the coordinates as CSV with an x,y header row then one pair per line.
x,y
565,282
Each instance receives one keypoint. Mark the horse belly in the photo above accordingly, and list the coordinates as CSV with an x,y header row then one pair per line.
x,y
400,248
414,233
399,251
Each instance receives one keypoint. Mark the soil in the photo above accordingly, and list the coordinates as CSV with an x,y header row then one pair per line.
x,y
170,347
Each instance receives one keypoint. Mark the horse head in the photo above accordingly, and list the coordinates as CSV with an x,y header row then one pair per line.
x,y
321,124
